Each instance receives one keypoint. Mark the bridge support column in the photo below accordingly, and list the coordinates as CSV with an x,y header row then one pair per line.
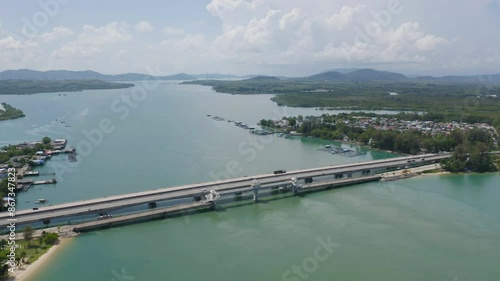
x,y
255,188
295,186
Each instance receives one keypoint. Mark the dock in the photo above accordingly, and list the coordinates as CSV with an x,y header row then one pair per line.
x,y
51,181
24,185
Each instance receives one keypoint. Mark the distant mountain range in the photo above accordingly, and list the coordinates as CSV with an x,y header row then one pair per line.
x,y
26,74
376,75
343,75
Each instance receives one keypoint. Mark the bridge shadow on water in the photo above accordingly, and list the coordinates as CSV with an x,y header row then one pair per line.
x,y
226,204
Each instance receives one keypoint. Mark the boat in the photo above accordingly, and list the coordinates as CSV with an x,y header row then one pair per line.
x,y
40,201
31,173
328,146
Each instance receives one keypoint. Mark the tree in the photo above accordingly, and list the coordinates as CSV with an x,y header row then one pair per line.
x,y
306,127
480,159
4,188
46,140
408,142
23,255
478,135
50,238
39,147
28,234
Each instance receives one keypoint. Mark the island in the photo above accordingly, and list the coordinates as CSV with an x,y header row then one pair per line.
x,y
8,112
28,87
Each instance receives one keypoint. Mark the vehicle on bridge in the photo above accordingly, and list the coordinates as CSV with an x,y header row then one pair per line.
x,y
104,216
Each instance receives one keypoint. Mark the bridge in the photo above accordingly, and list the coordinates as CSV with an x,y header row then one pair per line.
x,y
295,181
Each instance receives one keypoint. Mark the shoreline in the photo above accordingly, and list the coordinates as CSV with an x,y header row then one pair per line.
x,y
29,272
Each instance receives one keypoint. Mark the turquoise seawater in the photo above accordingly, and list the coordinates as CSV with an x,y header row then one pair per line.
x,y
429,228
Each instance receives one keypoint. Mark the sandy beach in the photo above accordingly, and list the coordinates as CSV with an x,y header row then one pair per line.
x,y
29,272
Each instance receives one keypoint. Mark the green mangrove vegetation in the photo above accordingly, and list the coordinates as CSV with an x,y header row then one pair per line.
x,y
460,101
10,112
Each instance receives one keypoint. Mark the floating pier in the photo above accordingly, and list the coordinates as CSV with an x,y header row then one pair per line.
x,y
346,152
51,181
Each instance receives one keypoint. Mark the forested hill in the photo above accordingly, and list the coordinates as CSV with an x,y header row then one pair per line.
x,y
359,75
26,87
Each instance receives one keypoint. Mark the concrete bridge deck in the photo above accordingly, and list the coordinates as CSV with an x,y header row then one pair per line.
x,y
162,213
196,190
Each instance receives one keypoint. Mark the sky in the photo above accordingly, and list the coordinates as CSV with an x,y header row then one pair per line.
x,y
270,37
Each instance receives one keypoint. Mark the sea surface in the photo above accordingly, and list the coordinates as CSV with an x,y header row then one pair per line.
x,y
439,228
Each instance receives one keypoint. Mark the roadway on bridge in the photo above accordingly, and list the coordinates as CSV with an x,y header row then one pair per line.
x,y
186,191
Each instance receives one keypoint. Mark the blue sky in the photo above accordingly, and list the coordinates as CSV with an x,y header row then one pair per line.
x,y
275,37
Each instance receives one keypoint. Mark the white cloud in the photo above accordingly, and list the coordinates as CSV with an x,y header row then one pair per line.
x,y
429,42
172,31
9,43
121,53
259,36
144,26
92,40
189,42
344,18
292,19
221,8
340,37
57,33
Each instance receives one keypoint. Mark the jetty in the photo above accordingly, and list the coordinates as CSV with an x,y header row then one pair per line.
x,y
24,185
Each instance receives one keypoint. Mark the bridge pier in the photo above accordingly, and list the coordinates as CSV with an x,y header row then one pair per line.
x,y
255,188
295,186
